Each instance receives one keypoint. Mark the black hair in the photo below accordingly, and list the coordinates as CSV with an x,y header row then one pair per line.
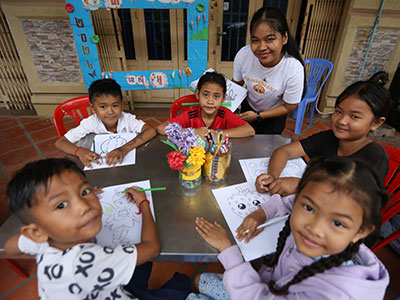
x,y
361,183
277,21
212,77
371,92
22,189
104,87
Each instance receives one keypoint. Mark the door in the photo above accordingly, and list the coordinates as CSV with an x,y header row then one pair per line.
x,y
229,28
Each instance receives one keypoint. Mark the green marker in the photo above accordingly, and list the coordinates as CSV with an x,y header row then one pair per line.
x,y
147,190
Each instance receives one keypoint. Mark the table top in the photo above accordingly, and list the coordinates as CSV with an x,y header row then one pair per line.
x,y
175,209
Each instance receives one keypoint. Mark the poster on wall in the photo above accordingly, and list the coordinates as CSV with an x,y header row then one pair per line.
x,y
86,43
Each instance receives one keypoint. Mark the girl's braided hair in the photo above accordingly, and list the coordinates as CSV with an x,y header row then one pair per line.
x,y
353,177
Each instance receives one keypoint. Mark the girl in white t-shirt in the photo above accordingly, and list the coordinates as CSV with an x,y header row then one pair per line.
x,y
273,71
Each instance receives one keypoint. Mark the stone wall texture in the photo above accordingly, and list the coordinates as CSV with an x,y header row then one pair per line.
x,y
53,50
381,50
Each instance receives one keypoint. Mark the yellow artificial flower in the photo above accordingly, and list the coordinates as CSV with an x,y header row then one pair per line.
x,y
196,156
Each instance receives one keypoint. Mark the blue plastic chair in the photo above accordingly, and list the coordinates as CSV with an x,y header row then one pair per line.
x,y
318,66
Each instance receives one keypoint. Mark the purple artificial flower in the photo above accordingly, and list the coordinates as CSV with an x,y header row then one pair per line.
x,y
188,140
174,132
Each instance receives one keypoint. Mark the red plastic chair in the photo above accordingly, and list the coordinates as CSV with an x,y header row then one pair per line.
x,y
76,107
12,263
178,104
392,185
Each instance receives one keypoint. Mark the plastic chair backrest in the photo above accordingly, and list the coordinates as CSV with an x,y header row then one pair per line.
x,y
392,185
177,105
76,107
317,69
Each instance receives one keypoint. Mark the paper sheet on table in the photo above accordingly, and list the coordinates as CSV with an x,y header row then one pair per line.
x,y
238,201
105,143
235,93
121,224
255,166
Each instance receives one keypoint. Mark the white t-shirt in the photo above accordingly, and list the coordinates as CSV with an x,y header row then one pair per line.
x,y
126,123
85,271
269,87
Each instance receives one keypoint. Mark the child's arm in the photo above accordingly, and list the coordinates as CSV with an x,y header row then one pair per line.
x,y
240,131
11,246
161,128
271,181
213,233
117,155
86,156
149,246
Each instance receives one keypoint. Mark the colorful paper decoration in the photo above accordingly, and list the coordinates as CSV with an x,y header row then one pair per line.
x,y
86,40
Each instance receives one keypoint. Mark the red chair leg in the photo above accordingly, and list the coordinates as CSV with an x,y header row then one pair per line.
x,y
12,263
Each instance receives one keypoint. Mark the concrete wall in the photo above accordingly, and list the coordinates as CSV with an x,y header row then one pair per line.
x,y
352,43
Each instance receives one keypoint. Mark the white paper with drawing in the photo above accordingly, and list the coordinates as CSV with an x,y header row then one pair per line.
x,y
121,223
255,166
235,93
105,143
238,201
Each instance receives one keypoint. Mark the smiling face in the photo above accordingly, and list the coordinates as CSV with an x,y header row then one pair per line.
x,y
324,221
69,212
353,119
108,108
267,44
211,96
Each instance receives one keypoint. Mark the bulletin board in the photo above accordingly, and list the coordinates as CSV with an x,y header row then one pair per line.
x,y
86,43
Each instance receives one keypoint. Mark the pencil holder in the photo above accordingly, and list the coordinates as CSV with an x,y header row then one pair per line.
x,y
218,161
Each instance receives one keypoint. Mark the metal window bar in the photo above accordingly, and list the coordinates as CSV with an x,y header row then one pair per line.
x,y
14,88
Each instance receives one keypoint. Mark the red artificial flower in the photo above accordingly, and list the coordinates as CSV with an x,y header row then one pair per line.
x,y
175,160
69,7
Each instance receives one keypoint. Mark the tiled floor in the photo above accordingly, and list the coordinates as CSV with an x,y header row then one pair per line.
x,y
25,139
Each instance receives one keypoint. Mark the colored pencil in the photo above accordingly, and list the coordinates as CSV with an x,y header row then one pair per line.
x,y
147,190
269,222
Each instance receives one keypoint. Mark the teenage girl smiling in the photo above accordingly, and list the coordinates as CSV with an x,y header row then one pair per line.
x,y
273,71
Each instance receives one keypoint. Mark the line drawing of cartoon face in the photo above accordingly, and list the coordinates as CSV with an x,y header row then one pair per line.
x,y
244,202
113,142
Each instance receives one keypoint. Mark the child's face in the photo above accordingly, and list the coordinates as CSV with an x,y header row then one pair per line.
x,y
267,44
70,212
324,222
108,108
353,119
211,96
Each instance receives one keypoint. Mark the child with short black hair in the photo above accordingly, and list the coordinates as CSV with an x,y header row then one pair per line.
x,y
62,215
319,252
106,101
210,115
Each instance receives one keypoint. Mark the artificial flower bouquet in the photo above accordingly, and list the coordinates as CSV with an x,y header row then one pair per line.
x,y
188,155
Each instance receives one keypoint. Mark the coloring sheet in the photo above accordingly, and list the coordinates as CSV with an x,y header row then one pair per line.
x,y
105,143
238,201
234,92
255,166
121,224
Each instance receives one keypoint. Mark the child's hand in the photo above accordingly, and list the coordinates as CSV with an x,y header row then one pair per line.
x,y
115,156
135,196
248,116
98,191
86,156
213,233
283,186
263,181
250,223
202,132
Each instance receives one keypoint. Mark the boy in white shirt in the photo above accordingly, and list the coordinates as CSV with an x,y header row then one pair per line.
x,y
61,215
106,101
